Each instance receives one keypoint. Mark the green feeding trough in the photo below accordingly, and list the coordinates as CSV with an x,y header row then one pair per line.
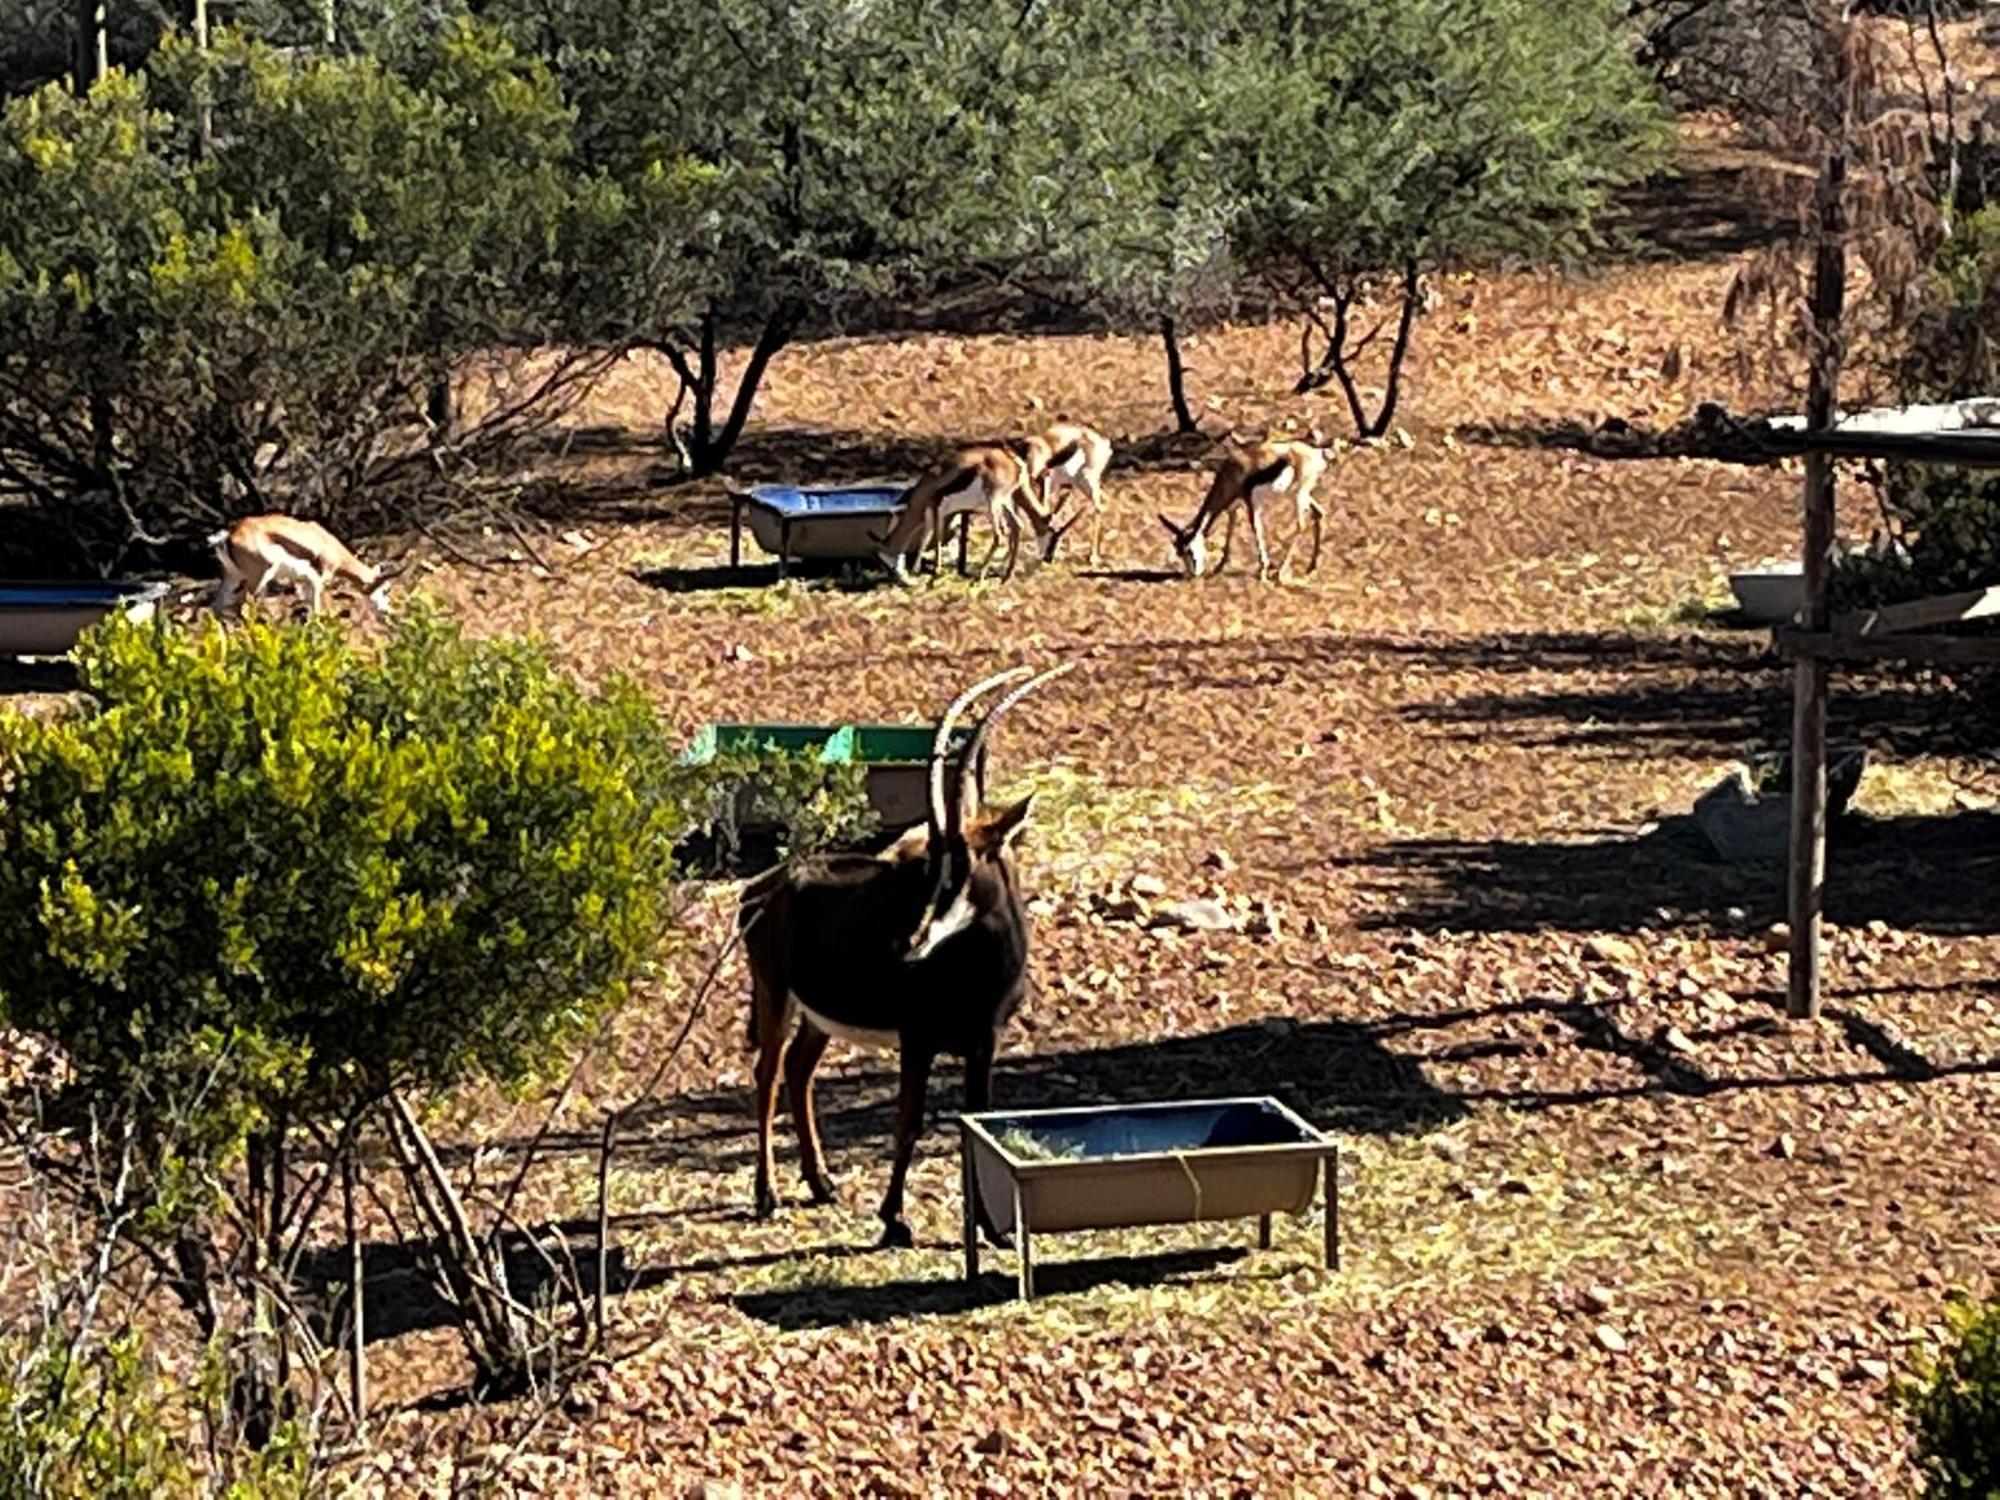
x,y
894,758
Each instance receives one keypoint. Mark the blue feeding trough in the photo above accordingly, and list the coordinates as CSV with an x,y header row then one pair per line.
x,y
796,522
1117,1166
45,619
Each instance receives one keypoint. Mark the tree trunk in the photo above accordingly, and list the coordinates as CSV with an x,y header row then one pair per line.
x,y
709,446
441,407
1808,825
1406,320
1176,376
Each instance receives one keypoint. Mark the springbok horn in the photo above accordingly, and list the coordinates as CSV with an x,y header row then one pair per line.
x,y
977,745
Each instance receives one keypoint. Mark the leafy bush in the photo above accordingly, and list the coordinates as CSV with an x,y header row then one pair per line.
x,y
1945,538
272,878
1955,1408
104,1421
190,327
341,872
760,804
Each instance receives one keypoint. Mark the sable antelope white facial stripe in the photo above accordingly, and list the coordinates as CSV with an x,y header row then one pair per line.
x,y
924,951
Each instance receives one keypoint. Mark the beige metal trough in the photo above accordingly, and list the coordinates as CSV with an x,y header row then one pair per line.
x,y
1122,1166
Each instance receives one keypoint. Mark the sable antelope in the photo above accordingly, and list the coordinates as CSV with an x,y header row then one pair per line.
x,y
923,950
1253,476
260,551
988,477
1066,455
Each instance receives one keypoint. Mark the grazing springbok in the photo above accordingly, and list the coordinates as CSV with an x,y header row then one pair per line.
x,y
259,552
1071,455
987,477
1253,476
923,950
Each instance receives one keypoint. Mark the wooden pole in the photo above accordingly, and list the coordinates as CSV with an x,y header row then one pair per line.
x,y
357,1297
1809,675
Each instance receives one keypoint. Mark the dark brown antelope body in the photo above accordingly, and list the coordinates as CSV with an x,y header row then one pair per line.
x,y
925,954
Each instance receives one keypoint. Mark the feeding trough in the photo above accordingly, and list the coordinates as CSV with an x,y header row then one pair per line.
x,y
894,758
1771,593
45,619
1119,1166
795,522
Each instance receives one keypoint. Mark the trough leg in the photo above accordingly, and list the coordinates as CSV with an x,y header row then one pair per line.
x,y
735,533
1026,1242
969,1191
1263,1231
1330,1174
784,547
964,540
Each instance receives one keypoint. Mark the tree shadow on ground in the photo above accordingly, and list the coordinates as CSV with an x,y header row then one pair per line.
x,y
1921,874
1705,208
806,1308
1336,1074
1701,696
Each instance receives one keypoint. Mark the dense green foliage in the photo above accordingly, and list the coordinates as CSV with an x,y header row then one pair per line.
x,y
188,328
90,1418
247,274
295,875
1955,1409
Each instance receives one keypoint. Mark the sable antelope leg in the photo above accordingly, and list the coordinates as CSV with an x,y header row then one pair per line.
x,y
994,523
773,1022
801,1058
916,1075
1263,548
1228,540
979,1098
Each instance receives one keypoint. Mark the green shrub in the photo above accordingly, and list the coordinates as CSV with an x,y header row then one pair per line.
x,y
270,877
189,329
101,1420
323,871
1955,1408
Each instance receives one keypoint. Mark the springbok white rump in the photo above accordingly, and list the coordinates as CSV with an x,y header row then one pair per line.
x,y
258,553
1253,476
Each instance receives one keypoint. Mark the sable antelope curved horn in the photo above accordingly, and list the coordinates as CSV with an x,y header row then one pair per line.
x,y
940,817
977,745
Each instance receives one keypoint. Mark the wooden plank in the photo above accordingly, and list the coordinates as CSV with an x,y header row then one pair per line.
x,y
1831,646
1920,614
1966,450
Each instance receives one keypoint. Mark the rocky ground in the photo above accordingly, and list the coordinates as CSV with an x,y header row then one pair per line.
x,y
1613,1224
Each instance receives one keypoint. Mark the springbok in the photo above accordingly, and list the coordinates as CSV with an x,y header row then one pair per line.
x,y
258,552
923,950
1070,455
1254,475
986,477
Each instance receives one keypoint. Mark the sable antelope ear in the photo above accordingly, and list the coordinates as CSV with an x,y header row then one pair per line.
x,y
1172,530
996,831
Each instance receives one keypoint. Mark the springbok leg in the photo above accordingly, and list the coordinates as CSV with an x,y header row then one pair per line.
x,y
801,1058
916,1077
